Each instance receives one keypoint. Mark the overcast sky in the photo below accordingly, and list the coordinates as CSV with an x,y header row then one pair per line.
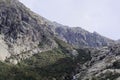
x,y
102,16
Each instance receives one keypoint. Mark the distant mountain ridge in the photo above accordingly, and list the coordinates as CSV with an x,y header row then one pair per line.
x,y
80,37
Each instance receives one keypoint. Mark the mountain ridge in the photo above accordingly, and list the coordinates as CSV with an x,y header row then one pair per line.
x,y
24,31
80,37
34,48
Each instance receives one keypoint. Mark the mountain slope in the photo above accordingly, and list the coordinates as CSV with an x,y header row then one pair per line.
x,y
59,63
80,37
40,49
89,64
103,65
22,31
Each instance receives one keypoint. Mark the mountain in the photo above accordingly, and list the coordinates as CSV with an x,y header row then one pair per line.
x,y
22,32
80,37
34,48
89,64
104,64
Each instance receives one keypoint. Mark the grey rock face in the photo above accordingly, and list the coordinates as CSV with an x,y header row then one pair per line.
x,y
22,30
24,33
80,37
103,65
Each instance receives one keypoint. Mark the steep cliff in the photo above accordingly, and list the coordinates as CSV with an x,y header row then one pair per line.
x,y
22,31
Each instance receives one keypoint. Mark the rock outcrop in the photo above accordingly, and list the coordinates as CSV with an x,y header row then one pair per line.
x,y
103,65
80,37
22,31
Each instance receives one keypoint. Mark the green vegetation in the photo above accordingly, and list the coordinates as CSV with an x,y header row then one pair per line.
x,y
53,64
42,66
63,46
84,55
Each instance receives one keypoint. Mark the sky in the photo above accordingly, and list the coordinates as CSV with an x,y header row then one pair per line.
x,y
102,16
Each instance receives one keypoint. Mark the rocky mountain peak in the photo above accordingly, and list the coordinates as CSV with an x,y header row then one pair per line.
x,y
22,30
